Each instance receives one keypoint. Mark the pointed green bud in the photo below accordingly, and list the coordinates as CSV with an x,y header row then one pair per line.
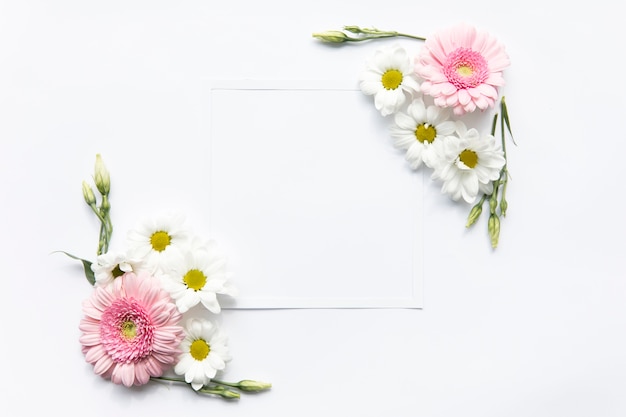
x,y
332,36
253,386
221,391
493,203
226,393
474,214
353,29
493,227
503,206
101,177
88,194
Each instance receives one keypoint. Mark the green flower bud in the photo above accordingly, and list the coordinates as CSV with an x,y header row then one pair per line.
x,y
226,393
493,203
101,177
353,29
493,227
88,194
474,214
253,386
503,206
221,391
332,36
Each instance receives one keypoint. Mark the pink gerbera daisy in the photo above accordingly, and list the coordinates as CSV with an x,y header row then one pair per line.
x,y
131,330
462,68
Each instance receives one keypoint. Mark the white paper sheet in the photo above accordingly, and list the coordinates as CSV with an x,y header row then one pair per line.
x,y
311,199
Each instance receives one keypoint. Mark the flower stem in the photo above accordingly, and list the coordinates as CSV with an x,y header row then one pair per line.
x,y
362,34
222,388
247,385
499,185
169,379
206,389
226,384
379,33
106,227
504,173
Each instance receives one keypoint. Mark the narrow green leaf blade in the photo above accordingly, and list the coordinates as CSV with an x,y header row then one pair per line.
x,y
494,123
86,266
505,117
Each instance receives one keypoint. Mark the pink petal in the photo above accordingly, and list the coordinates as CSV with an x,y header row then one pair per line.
x,y
464,97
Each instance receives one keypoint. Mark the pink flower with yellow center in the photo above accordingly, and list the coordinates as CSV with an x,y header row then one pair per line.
x,y
131,330
462,68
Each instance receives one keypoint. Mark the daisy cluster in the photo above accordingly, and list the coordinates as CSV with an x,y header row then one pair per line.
x,y
427,95
152,314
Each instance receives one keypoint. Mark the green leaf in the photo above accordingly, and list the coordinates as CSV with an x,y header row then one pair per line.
x,y
86,266
505,117
494,123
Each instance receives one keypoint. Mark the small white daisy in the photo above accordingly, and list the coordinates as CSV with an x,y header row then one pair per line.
x,y
198,276
389,77
468,164
156,240
416,131
111,265
205,352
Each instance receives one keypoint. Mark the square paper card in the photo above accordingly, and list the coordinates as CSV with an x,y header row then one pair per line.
x,y
309,200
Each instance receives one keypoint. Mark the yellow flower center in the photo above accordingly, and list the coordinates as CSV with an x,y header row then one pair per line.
x,y
392,79
469,158
464,70
199,349
160,240
194,279
425,133
128,329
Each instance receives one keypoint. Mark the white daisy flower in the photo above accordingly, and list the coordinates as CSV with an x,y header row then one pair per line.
x,y
389,77
417,130
468,164
157,240
205,352
198,276
111,265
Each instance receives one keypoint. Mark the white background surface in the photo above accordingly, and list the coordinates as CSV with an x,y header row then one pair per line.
x,y
301,230
534,329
